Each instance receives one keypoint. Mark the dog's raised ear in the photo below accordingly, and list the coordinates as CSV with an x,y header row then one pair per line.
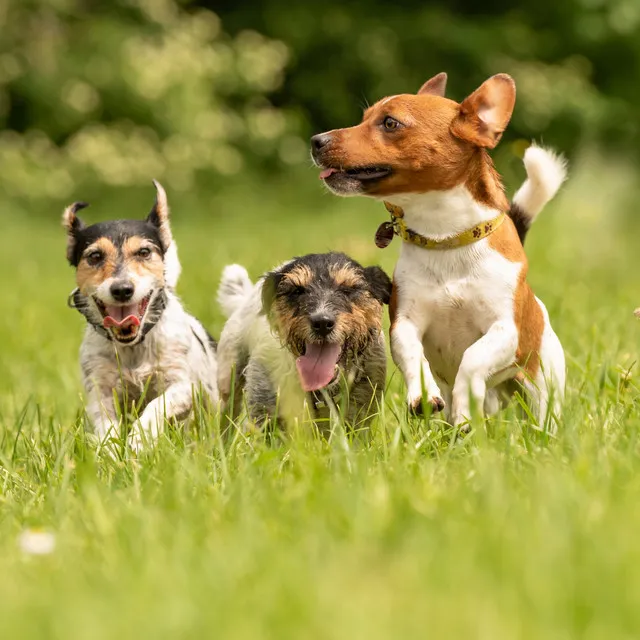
x,y
379,284
159,216
74,226
269,286
485,114
435,86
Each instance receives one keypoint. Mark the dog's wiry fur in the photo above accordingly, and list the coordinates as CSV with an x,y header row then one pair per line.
x,y
322,299
158,357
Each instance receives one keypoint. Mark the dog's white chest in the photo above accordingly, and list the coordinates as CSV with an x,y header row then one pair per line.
x,y
453,297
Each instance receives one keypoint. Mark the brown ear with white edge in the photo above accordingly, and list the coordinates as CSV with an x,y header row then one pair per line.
x,y
435,86
485,114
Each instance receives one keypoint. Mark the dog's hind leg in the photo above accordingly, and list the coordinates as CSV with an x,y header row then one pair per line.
x,y
489,356
262,399
546,390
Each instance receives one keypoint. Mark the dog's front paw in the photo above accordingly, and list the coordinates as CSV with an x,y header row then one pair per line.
x,y
416,406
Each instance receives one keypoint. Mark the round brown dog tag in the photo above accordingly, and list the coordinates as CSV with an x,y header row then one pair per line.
x,y
384,235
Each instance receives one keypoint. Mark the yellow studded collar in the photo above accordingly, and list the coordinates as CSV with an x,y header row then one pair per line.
x,y
398,227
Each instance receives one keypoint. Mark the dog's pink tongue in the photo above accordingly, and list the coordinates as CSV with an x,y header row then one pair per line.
x,y
325,173
317,366
124,316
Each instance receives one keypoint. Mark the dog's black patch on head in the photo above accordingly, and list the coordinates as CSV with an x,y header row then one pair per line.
x,y
380,284
317,283
269,287
118,231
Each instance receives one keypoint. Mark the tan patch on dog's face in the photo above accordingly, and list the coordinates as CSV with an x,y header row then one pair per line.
x,y
345,276
421,152
142,258
300,276
301,293
138,258
435,144
98,263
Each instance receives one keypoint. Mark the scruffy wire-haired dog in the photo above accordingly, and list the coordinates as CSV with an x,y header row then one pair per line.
x,y
307,336
140,344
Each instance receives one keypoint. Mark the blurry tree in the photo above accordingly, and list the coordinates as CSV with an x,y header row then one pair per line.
x,y
126,90
576,62
122,90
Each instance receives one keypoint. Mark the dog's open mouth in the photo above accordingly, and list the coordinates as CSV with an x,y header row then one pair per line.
x,y
124,321
317,366
359,173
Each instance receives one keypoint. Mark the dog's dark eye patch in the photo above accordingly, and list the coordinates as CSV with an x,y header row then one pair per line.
x,y
297,291
352,291
118,232
292,293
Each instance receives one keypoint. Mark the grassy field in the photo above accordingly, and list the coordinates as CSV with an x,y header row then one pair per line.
x,y
405,534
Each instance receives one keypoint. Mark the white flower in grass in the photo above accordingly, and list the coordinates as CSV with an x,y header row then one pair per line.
x,y
36,542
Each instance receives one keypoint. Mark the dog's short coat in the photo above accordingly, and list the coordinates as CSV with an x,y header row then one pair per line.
x,y
307,336
464,322
140,346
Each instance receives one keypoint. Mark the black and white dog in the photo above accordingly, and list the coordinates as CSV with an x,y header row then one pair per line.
x,y
141,349
305,339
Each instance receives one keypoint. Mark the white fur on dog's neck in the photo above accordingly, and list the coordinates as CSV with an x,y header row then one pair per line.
x,y
440,214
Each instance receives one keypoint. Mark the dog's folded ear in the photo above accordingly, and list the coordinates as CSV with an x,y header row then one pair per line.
x,y
270,283
485,114
159,216
74,226
435,86
379,284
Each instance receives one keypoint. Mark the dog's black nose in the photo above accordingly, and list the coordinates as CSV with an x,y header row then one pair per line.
x,y
322,324
320,140
122,290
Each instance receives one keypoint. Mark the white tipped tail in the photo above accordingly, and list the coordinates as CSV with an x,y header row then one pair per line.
x,y
546,171
235,287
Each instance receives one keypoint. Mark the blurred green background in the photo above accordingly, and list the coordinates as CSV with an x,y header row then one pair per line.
x,y
218,99
195,93
408,534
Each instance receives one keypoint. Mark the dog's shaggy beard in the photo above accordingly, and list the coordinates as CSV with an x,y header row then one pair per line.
x,y
353,337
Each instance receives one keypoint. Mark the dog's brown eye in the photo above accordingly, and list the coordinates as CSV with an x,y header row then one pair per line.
x,y
350,292
297,291
144,253
390,124
95,258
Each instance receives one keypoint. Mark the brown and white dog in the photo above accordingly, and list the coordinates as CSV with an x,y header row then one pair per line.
x,y
465,325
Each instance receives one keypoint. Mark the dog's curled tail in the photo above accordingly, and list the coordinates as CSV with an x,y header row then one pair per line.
x,y
235,287
546,171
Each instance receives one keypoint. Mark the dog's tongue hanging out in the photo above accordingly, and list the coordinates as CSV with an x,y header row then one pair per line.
x,y
123,316
316,367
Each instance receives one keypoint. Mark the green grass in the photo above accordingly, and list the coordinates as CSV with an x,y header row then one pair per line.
x,y
404,534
